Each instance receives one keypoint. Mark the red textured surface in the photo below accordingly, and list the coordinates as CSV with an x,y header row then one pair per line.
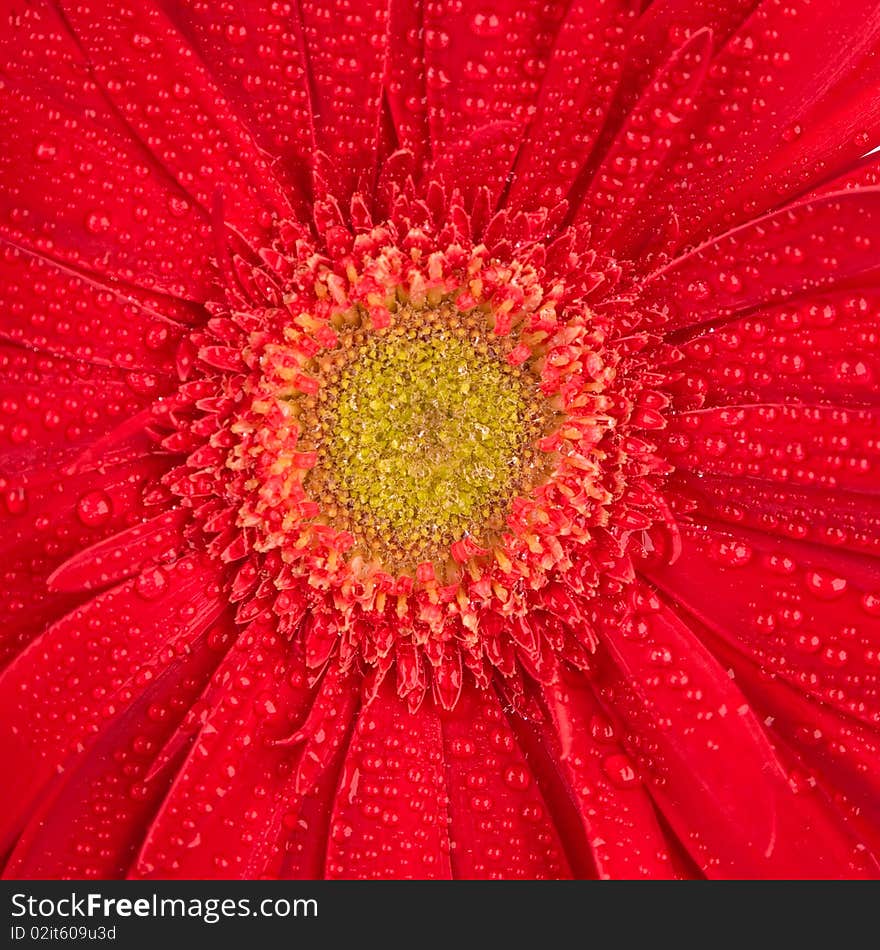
x,y
697,694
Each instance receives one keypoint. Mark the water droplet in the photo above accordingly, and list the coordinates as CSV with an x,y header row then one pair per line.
x,y
151,584
94,508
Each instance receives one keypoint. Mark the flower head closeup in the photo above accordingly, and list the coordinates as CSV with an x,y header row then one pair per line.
x,y
440,439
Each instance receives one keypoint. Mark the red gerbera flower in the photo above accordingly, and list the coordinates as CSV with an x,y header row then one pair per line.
x,y
440,439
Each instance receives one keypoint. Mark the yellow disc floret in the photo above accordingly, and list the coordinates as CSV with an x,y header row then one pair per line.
x,y
426,432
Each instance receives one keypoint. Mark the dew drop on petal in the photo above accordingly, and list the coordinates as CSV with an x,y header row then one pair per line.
x,y
94,508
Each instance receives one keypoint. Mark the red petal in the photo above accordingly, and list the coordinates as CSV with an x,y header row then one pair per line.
x,y
234,804
347,49
51,408
254,51
820,350
864,173
580,79
823,516
808,614
803,249
790,98
484,66
480,163
316,780
74,183
659,31
123,555
833,762
706,760
405,86
501,825
617,813
390,817
54,309
44,519
661,118
90,666
125,48
835,449
94,820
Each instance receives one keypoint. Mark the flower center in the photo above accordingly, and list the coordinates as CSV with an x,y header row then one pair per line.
x,y
426,431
